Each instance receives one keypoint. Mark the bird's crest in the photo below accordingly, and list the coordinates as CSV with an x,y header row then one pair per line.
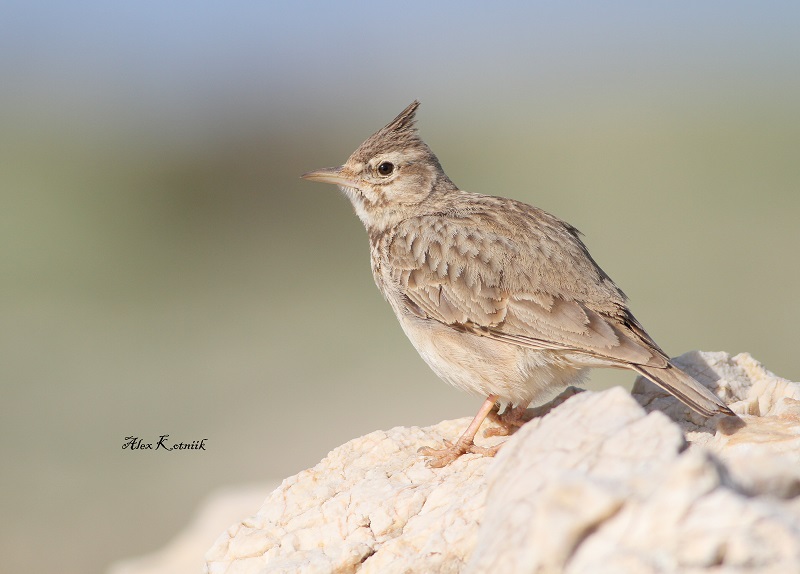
x,y
404,122
400,133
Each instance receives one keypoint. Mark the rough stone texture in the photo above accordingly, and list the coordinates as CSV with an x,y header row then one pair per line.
x,y
598,484
763,456
367,503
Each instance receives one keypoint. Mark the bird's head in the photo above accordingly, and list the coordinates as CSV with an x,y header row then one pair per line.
x,y
389,175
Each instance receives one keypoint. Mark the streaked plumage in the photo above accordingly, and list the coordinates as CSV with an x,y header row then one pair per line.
x,y
500,298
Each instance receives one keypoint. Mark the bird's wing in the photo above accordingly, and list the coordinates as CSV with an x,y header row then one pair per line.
x,y
534,285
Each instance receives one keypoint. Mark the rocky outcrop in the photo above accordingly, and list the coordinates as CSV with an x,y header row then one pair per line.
x,y
597,482
603,482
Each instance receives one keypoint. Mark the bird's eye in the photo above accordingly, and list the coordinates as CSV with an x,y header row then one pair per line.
x,y
386,168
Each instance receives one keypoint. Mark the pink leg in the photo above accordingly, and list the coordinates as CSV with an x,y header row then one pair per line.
x,y
512,419
465,444
509,421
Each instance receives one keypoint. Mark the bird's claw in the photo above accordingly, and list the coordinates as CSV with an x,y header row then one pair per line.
x,y
441,457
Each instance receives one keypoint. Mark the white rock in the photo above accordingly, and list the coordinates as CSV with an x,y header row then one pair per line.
x,y
368,505
596,485
764,455
626,498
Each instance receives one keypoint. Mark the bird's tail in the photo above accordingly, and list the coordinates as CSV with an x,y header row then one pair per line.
x,y
686,389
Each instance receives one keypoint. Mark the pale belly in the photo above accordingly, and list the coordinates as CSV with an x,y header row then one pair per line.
x,y
483,366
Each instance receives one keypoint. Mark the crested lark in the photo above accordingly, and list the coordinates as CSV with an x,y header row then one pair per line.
x,y
501,299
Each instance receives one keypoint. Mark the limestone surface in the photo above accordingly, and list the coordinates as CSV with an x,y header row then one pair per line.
x,y
600,482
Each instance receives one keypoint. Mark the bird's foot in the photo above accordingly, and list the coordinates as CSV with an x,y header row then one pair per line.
x,y
508,422
441,457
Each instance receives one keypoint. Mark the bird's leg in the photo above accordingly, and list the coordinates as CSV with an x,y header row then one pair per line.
x,y
509,421
443,457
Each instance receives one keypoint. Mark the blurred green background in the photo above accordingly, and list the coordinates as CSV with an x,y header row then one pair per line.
x,y
165,271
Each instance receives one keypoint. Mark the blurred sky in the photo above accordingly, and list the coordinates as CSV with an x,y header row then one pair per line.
x,y
164,270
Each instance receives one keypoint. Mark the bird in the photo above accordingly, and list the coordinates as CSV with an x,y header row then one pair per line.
x,y
501,299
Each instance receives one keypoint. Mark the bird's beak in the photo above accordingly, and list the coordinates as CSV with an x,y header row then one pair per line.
x,y
332,175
